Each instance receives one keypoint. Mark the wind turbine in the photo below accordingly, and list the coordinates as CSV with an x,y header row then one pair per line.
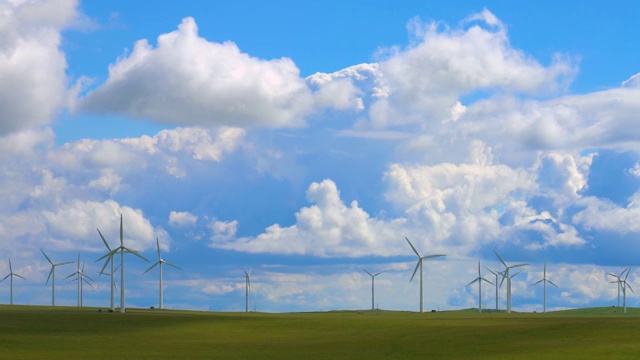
x,y
505,275
373,277
109,260
52,276
622,283
247,288
122,249
496,273
544,282
81,277
11,275
160,262
419,265
480,279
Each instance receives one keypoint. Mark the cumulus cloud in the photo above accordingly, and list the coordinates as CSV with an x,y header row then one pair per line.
x,y
188,81
327,228
32,66
425,80
182,218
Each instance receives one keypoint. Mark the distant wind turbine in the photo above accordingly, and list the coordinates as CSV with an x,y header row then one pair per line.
x,y
159,263
497,274
247,288
81,278
622,283
480,279
373,279
544,282
506,276
52,276
11,275
122,249
419,265
109,260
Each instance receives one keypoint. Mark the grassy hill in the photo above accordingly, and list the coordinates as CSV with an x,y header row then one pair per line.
x,y
32,332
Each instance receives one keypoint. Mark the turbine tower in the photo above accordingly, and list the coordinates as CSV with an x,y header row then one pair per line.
x,y
122,249
373,277
544,282
419,265
11,275
622,283
159,263
480,279
505,275
52,276
81,277
247,289
496,273
109,260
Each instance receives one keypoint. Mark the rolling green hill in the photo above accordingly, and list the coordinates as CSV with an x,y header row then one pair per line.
x,y
33,332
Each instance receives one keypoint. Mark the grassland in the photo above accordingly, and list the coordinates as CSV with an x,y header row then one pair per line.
x,y
31,332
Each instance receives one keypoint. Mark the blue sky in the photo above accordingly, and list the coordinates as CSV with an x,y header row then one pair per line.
x,y
306,140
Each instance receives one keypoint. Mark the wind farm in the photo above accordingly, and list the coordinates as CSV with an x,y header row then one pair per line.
x,y
419,266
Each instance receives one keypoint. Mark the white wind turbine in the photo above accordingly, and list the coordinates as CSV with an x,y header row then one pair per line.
x,y
247,288
122,249
544,282
480,279
419,265
159,263
622,283
11,275
497,274
113,279
373,277
81,278
505,275
52,276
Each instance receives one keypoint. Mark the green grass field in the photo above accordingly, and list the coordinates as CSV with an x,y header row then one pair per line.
x,y
33,332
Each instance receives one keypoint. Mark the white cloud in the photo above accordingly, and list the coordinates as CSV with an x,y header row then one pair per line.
x,y
182,218
327,228
223,230
189,81
633,81
426,80
32,67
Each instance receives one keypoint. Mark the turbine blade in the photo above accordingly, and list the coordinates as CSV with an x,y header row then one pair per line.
x,y
158,246
433,256
45,255
483,279
121,232
151,267
416,269
627,275
514,275
26,279
518,265
412,247
376,274
104,240
171,264
4,278
491,271
370,274
135,253
630,288
109,254
538,282
472,282
49,277
63,263
549,281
